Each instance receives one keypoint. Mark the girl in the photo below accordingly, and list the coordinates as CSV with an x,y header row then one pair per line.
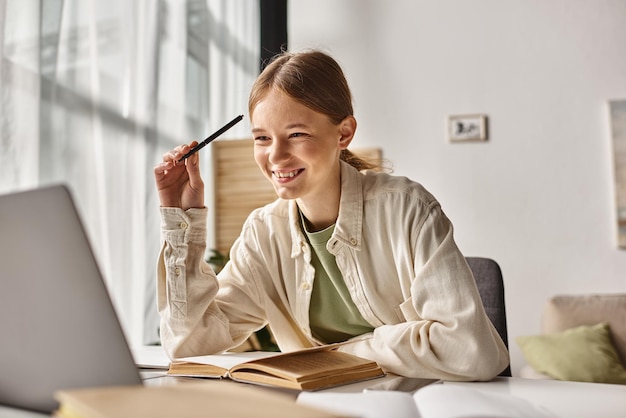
x,y
344,253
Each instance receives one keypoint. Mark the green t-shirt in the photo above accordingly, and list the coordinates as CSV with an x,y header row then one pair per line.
x,y
333,315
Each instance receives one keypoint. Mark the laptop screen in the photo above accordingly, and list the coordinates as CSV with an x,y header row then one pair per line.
x,y
58,325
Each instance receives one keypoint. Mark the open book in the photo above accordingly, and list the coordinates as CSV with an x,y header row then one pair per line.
x,y
432,401
309,369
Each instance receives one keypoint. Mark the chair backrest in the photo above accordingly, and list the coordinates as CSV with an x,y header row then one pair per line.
x,y
488,276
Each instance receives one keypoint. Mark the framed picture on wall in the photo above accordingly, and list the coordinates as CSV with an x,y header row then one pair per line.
x,y
467,128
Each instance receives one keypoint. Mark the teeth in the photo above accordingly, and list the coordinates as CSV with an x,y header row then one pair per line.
x,y
281,175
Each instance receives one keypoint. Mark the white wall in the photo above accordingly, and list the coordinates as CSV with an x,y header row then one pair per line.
x,y
538,196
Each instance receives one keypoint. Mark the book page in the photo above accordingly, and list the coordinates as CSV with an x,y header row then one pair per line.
x,y
150,357
449,401
229,360
184,369
320,382
432,401
214,365
309,364
370,404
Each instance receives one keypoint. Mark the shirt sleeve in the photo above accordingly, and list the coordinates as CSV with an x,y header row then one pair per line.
x,y
195,315
446,333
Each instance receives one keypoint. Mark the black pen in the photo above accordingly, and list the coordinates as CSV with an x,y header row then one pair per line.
x,y
212,137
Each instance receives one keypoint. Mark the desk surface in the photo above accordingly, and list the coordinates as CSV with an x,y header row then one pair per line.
x,y
561,399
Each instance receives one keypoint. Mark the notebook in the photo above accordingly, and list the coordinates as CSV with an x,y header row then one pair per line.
x,y
58,326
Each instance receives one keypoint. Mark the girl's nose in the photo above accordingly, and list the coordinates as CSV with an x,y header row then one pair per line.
x,y
279,151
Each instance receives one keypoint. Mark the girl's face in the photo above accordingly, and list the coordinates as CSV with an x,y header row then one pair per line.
x,y
297,148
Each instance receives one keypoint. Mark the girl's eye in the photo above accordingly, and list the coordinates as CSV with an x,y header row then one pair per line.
x,y
296,134
261,138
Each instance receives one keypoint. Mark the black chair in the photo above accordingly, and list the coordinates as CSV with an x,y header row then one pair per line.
x,y
488,276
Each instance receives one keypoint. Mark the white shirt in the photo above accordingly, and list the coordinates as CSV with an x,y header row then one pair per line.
x,y
395,249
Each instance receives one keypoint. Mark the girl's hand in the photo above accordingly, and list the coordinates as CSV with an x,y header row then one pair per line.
x,y
180,184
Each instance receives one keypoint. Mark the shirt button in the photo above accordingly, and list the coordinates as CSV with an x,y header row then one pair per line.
x,y
183,225
177,271
305,286
353,241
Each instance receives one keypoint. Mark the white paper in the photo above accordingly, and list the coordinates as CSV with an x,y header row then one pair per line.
x,y
369,404
432,401
150,357
445,401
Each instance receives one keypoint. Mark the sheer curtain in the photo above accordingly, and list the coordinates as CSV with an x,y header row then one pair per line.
x,y
93,92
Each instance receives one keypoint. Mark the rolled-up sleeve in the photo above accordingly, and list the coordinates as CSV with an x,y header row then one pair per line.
x,y
187,286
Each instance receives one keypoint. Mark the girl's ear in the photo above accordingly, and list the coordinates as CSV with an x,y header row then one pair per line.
x,y
347,128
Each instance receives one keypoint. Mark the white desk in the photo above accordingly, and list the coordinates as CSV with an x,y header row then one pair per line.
x,y
561,399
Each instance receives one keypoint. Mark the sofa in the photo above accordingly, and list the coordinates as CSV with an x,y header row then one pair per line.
x,y
583,338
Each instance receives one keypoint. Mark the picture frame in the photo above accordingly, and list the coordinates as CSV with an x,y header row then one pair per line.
x,y
467,128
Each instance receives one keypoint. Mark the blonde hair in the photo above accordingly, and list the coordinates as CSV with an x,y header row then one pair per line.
x,y
316,80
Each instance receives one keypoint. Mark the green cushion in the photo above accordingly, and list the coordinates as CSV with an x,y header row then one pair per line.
x,y
584,354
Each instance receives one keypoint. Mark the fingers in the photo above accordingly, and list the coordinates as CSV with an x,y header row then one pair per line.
x,y
176,153
163,168
193,170
172,158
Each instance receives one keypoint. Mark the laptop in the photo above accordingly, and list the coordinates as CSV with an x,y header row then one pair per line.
x,y
58,326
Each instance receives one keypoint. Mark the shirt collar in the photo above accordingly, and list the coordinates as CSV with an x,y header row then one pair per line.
x,y
348,228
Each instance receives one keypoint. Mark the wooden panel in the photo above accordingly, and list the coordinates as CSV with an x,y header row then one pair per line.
x,y
240,187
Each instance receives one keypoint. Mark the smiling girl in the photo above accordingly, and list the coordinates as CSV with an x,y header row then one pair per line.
x,y
343,253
